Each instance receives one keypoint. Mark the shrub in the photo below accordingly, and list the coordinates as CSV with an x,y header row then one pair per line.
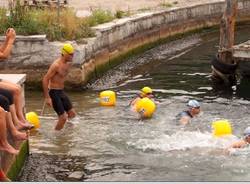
x,y
119,14
166,5
99,17
66,26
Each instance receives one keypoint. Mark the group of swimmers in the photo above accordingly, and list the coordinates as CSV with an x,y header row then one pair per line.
x,y
193,110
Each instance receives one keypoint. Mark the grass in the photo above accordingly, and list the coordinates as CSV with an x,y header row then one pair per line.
x,y
145,9
120,14
66,26
165,4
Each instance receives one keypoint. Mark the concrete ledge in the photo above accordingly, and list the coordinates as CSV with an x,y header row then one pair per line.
x,y
14,78
31,38
242,51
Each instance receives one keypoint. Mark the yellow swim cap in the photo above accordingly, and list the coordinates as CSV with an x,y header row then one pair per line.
x,y
67,49
147,90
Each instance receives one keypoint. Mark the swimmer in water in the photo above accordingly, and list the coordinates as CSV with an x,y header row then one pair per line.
x,y
242,143
146,92
193,110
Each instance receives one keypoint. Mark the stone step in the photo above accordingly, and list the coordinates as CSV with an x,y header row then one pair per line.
x,y
242,51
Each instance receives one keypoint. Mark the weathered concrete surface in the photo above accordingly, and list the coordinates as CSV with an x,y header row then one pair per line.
x,y
242,51
114,40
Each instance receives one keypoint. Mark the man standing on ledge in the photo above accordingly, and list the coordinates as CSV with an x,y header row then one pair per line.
x,y
53,86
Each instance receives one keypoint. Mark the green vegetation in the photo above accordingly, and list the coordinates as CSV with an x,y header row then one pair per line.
x,y
120,14
145,9
165,4
62,26
99,17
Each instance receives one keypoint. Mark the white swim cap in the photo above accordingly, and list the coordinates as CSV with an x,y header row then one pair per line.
x,y
193,104
247,131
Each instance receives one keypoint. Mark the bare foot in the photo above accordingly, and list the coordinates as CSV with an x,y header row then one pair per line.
x,y
8,148
25,122
20,136
24,126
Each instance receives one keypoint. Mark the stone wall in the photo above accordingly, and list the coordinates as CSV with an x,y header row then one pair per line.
x,y
113,40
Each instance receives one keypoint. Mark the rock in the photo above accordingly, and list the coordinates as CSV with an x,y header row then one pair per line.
x,y
77,175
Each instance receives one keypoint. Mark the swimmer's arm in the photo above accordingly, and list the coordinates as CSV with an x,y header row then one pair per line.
x,y
184,120
133,102
235,145
238,144
51,72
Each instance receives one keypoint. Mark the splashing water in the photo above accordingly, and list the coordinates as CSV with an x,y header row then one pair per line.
x,y
183,140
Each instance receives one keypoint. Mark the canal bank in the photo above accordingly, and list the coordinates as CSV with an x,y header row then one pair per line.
x,y
114,41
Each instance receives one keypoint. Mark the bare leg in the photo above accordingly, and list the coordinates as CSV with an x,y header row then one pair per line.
x,y
14,132
18,100
4,145
61,121
71,113
18,123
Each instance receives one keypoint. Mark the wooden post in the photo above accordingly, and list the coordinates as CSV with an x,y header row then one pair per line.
x,y
227,28
223,67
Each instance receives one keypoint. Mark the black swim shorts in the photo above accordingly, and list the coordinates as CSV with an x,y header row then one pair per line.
x,y
7,94
4,103
60,101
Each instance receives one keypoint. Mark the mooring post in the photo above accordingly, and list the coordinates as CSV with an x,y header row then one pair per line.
x,y
223,66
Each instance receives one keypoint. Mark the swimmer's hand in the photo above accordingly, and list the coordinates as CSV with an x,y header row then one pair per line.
x,y
48,101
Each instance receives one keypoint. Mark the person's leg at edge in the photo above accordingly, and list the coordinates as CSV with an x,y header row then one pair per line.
x,y
17,135
7,94
4,145
19,124
3,177
61,121
18,100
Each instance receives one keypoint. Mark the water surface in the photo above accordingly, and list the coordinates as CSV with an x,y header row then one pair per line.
x,y
116,146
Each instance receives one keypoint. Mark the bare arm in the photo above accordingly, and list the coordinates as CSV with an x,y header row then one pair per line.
x,y
6,47
133,102
46,79
6,52
238,144
184,120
